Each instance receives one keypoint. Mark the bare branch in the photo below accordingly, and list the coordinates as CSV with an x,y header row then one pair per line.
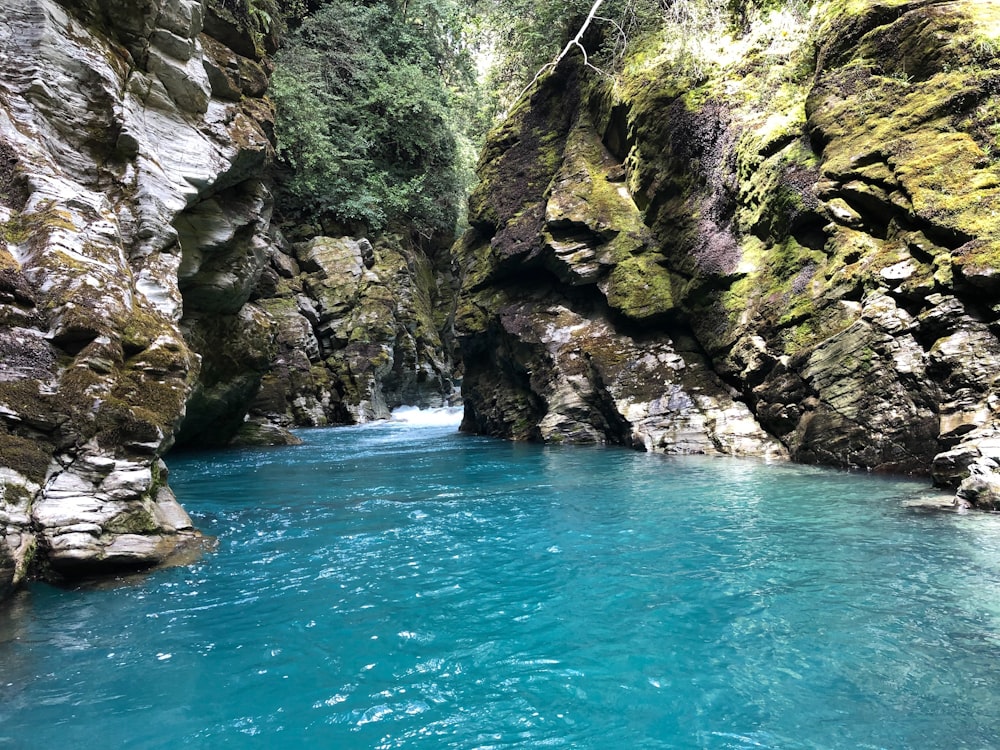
x,y
576,41
621,32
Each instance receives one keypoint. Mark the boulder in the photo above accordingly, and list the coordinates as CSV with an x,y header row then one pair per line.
x,y
981,489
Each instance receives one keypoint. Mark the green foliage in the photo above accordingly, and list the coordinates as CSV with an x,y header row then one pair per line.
x,y
742,11
262,20
367,102
379,110
524,35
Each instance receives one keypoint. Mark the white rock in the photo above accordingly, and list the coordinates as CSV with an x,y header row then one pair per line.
x,y
136,548
107,251
133,481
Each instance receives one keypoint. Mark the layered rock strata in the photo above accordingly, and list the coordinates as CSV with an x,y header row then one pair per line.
x,y
361,328
131,150
817,218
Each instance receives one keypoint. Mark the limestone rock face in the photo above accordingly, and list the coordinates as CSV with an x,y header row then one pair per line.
x,y
129,182
812,230
577,379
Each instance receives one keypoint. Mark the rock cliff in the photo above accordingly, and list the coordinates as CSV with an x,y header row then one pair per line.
x,y
362,328
792,249
325,331
132,146
147,300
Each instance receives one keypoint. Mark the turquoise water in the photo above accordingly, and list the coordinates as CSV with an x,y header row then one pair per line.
x,y
391,586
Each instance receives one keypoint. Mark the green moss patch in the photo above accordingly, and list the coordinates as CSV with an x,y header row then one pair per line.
x,y
136,521
27,457
24,399
641,288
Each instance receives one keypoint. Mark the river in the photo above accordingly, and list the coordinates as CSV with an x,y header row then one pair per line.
x,y
399,585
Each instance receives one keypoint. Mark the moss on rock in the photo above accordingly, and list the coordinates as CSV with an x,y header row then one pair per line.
x,y
28,457
641,288
813,190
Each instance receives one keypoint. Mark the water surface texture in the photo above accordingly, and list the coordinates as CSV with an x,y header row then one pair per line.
x,y
399,586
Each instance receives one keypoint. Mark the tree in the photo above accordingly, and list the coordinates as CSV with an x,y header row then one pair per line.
x,y
365,97
378,104
526,36
576,43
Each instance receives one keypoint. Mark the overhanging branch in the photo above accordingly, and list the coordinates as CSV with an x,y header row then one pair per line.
x,y
577,42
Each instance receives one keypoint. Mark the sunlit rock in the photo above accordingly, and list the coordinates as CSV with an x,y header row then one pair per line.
x,y
122,175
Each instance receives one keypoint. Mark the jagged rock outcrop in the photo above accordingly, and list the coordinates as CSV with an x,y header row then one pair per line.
x,y
132,147
821,223
362,328
567,332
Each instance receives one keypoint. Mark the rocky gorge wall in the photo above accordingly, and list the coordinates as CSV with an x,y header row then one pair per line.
x,y
361,327
790,251
147,299
133,148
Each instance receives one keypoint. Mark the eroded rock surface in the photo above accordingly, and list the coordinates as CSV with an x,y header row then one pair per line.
x,y
362,328
146,299
131,152
568,331
817,220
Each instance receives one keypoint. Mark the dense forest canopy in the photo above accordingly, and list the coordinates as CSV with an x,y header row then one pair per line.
x,y
382,104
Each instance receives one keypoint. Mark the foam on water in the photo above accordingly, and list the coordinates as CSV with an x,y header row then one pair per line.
x,y
446,416
388,586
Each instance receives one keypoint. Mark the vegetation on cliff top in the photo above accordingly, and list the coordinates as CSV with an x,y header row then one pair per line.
x,y
382,104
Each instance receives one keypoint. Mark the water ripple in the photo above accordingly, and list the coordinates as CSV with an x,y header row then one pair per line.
x,y
399,587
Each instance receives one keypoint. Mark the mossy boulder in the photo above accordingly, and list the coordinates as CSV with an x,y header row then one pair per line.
x,y
29,458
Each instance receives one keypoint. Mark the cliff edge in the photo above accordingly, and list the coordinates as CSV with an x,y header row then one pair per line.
x,y
148,300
